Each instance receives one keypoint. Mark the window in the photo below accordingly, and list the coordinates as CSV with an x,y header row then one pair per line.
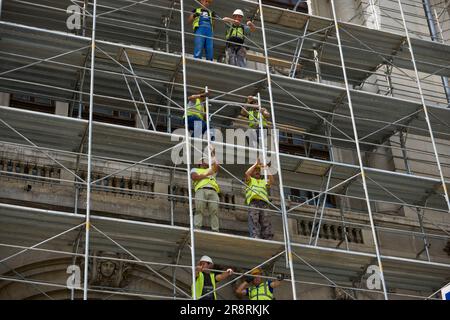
x,y
284,137
22,101
110,115
299,5
300,196
298,140
125,114
296,144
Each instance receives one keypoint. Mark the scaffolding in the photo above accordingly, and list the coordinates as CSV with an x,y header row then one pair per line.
x,y
312,72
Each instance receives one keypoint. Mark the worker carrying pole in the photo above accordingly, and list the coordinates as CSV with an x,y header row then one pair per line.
x,y
256,288
257,118
257,197
198,114
206,191
205,279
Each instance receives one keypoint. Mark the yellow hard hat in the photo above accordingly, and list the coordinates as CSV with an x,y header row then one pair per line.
x,y
256,271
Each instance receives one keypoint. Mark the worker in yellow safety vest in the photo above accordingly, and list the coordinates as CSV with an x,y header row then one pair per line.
x,y
206,193
257,197
196,115
236,52
202,20
206,279
255,115
256,288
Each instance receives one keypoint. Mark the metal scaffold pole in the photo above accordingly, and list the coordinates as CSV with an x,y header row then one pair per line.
x,y
188,151
278,163
424,106
298,50
375,14
89,157
262,137
361,166
208,128
433,25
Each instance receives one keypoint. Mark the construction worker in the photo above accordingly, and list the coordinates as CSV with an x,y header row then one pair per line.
x,y
254,114
235,51
202,23
206,193
196,113
257,197
206,279
256,288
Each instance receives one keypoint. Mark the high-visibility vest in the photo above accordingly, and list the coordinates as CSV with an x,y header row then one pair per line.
x,y
200,282
211,180
256,190
197,110
196,22
260,292
253,119
236,33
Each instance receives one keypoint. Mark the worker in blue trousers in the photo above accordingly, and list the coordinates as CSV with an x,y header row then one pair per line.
x,y
202,23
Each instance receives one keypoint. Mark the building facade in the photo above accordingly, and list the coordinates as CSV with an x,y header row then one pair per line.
x,y
94,205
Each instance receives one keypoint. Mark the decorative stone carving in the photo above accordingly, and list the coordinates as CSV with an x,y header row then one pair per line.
x,y
339,294
109,273
330,231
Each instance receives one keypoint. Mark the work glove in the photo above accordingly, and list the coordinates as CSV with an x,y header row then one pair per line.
x,y
280,277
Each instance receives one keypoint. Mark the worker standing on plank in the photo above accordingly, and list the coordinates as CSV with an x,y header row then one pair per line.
x,y
196,113
206,193
255,114
203,24
236,52
205,283
257,197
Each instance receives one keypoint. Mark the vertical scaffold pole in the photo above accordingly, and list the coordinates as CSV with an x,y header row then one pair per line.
x,y
361,166
277,154
425,109
374,12
188,150
89,158
330,172
262,137
208,129
298,50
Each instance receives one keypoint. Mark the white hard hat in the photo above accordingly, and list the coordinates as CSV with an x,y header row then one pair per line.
x,y
206,259
238,12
